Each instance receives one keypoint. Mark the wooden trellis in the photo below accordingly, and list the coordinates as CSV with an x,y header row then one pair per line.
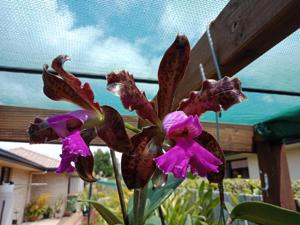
x,y
243,31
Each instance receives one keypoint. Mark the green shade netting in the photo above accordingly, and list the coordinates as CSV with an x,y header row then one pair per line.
x,y
283,126
101,36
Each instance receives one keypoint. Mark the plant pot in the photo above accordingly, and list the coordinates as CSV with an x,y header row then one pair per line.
x,y
33,218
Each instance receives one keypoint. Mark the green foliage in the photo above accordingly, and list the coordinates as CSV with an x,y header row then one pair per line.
x,y
108,197
102,163
58,205
296,188
242,186
152,199
159,195
37,208
264,214
107,215
71,204
236,186
48,212
191,206
139,204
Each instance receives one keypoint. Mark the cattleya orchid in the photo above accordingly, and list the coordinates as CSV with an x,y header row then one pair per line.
x,y
186,152
170,137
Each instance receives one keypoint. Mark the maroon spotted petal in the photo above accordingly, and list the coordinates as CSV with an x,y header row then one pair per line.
x,y
170,72
213,96
66,86
123,85
113,132
40,132
138,166
209,142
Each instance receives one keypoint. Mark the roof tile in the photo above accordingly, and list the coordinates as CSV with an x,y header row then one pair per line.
x,y
35,157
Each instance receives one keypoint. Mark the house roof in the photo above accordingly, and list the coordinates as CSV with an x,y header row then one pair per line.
x,y
35,157
30,158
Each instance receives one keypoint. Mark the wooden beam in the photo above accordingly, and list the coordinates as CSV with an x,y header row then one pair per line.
x,y
242,32
14,122
272,162
233,137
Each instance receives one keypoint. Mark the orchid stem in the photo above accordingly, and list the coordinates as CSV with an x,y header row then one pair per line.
x,y
119,186
132,128
139,204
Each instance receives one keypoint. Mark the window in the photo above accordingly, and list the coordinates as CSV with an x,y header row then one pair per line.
x,y
5,175
237,168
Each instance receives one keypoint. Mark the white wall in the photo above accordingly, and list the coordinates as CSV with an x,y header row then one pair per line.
x,y
21,180
56,186
76,185
253,166
293,157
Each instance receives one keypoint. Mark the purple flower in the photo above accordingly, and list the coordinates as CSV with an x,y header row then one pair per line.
x,y
187,153
67,127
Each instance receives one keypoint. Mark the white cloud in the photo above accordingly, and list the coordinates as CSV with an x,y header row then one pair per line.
x,y
124,5
189,18
268,98
35,32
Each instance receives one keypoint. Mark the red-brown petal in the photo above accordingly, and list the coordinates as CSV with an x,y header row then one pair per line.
x,y
170,72
139,166
40,132
213,96
113,132
210,143
66,86
123,85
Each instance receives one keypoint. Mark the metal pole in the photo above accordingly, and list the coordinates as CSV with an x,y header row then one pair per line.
x,y
139,80
90,207
119,186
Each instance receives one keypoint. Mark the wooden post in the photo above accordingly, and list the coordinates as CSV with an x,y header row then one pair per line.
x,y
272,161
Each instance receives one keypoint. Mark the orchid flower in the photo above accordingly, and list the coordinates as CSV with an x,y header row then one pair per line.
x,y
162,124
78,128
186,152
191,148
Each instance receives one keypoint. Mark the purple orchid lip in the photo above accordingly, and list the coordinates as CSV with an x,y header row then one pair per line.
x,y
67,126
187,153
73,146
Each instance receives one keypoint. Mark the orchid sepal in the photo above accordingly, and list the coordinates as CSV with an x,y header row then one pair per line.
x,y
213,96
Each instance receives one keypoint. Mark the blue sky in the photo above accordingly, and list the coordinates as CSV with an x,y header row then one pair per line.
x,y
105,35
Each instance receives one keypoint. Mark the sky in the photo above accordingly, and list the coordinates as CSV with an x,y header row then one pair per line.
x,y
102,36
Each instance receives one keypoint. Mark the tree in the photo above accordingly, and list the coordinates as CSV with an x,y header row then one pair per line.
x,y
103,165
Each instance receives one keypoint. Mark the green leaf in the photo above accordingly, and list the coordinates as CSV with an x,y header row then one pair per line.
x,y
130,209
153,220
264,214
234,199
157,196
139,204
188,220
107,215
